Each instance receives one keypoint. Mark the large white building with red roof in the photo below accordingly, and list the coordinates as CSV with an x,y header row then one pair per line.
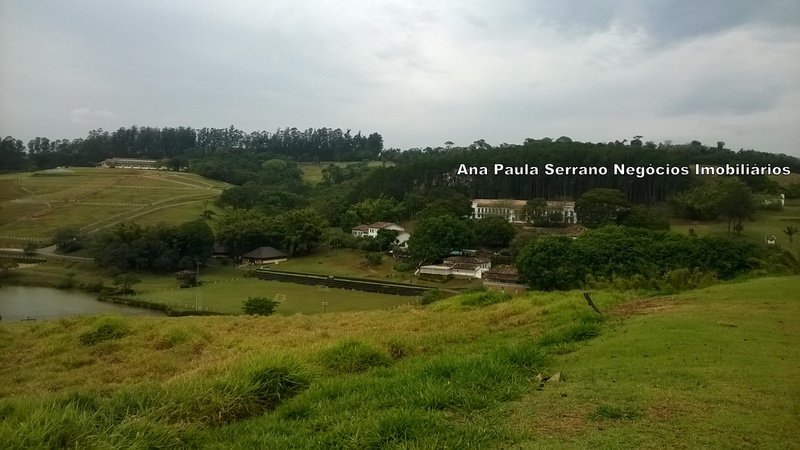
x,y
514,212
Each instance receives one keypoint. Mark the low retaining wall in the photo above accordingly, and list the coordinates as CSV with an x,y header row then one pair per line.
x,y
358,284
166,309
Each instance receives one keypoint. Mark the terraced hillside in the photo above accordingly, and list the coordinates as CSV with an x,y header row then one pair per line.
x,y
34,205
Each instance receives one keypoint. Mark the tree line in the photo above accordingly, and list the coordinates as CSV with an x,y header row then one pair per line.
x,y
623,252
436,167
181,144
231,155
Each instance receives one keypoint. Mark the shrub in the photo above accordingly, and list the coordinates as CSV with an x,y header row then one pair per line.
x,y
270,385
260,306
353,357
484,298
685,279
68,281
614,251
30,249
572,333
614,412
172,337
404,267
431,296
125,280
94,287
399,427
250,273
83,401
246,392
105,329
397,349
373,259
528,356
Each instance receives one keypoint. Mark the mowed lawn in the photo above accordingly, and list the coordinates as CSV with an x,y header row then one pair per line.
x,y
36,205
351,263
227,296
765,223
224,289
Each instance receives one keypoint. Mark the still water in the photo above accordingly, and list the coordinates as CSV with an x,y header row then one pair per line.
x,y
40,303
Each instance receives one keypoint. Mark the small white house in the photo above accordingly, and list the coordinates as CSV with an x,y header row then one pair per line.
x,y
371,230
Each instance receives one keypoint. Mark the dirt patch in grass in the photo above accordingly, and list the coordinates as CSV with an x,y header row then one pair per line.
x,y
660,411
644,306
565,422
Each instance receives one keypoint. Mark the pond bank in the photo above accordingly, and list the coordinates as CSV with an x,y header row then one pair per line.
x,y
19,303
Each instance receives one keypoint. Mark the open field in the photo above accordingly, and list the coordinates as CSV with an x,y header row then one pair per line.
x,y
710,368
351,263
35,205
224,289
765,223
312,172
785,180
226,296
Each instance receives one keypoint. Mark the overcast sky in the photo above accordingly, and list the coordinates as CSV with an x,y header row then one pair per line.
x,y
418,72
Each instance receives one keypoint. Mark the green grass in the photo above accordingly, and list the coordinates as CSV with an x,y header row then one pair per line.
x,y
715,364
353,357
351,263
51,273
765,223
35,206
224,289
708,368
341,262
180,214
312,172
226,296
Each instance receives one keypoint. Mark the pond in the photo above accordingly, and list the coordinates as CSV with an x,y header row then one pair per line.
x,y
41,303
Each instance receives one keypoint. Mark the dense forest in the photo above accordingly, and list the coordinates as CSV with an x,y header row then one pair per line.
x,y
183,143
231,155
417,169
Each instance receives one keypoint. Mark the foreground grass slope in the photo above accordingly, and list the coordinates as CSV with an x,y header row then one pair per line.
x,y
714,367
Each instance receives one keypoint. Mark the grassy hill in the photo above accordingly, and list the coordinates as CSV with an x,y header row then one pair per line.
x,y
710,368
35,205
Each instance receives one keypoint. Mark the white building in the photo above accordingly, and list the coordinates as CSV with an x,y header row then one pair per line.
x,y
372,231
513,210
131,163
459,267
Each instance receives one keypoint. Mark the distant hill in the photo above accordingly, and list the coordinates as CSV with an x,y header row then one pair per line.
x,y
35,205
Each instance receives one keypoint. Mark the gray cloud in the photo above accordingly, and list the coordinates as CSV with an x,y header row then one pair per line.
x,y
418,72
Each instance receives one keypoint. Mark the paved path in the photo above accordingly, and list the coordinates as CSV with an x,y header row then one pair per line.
x,y
50,252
